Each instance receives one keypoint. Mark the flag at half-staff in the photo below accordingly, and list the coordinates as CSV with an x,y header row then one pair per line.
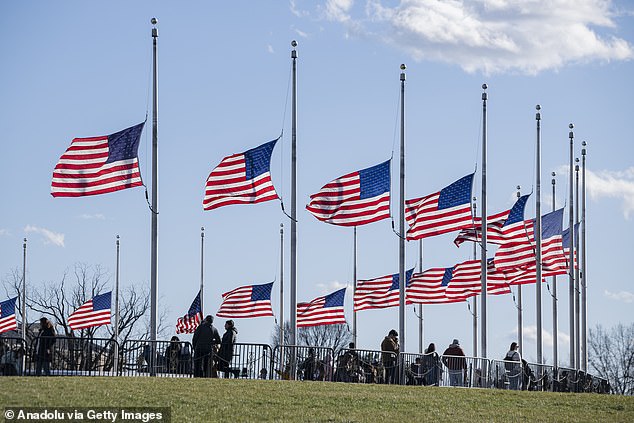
x,y
94,312
247,301
354,199
8,319
447,210
189,322
326,310
380,292
495,223
243,178
98,165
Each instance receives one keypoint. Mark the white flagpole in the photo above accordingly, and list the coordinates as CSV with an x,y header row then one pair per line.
x,y
421,321
293,310
571,277
584,279
401,244
576,270
554,295
116,314
202,268
24,319
538,240
154,242
474,300
483,211
354,286
281,284
520,306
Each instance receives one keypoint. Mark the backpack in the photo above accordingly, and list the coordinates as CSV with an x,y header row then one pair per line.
x,y
509,363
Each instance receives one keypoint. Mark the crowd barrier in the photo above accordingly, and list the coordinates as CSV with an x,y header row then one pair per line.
x,y
70,356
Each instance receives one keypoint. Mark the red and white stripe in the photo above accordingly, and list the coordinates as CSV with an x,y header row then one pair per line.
x,y
188,324
425,220
238,304
376,293
86,317
227,184
315,314
82,170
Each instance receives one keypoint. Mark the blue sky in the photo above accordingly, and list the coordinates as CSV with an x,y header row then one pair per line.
x,y
77,69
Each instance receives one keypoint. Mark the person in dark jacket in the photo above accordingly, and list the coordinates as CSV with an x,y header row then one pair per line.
x,y
431,364
205,340
45,341
389,354
225,355
173,356
454,359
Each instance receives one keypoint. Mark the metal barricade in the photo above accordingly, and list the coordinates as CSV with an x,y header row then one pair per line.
x,y
156,358
365,366
300,362
250,361
465,372
12,356
422,369
507,374
70,356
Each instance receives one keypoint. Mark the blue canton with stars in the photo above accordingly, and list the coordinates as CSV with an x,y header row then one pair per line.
x,y
456,194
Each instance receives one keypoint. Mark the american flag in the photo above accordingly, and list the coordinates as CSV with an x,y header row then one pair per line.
x,y
430,287
495,223
326,310
520,250
189,322
354,199
380,292
445,211
98,165
247,301
8,319
565,241
94,312
243,178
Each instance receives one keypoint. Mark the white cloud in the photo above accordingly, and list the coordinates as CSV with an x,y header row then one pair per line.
x,y
530,336
611,184
332,286
625,296
269,48
490,36
98,216
50,237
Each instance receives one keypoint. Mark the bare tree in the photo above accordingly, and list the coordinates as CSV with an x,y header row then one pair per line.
x,y
612,356
336,337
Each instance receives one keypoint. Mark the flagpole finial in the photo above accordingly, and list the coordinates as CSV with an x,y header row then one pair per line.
x,y
485,86
538,115
570,134
117,237
294,51
553,175
484,94
403,67
583,150
154,21
202,231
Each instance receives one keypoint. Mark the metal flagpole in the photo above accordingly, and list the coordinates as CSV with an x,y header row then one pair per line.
x,y
202,267
23,299
584,279
576,270
401,244
354,286
474,301
483,212
520,307
116,314
421,327
554,295
154,246
281,284
293,310
571,277
538,240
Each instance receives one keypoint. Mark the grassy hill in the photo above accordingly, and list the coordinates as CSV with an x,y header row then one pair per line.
x,y
231,400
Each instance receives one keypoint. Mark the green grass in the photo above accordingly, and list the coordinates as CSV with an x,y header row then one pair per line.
x,y
230,400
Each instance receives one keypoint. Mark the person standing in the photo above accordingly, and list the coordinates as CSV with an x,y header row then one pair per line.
x,y
431,364
512,365
173,356
454,359
205,339
389,356
225,355
45,341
